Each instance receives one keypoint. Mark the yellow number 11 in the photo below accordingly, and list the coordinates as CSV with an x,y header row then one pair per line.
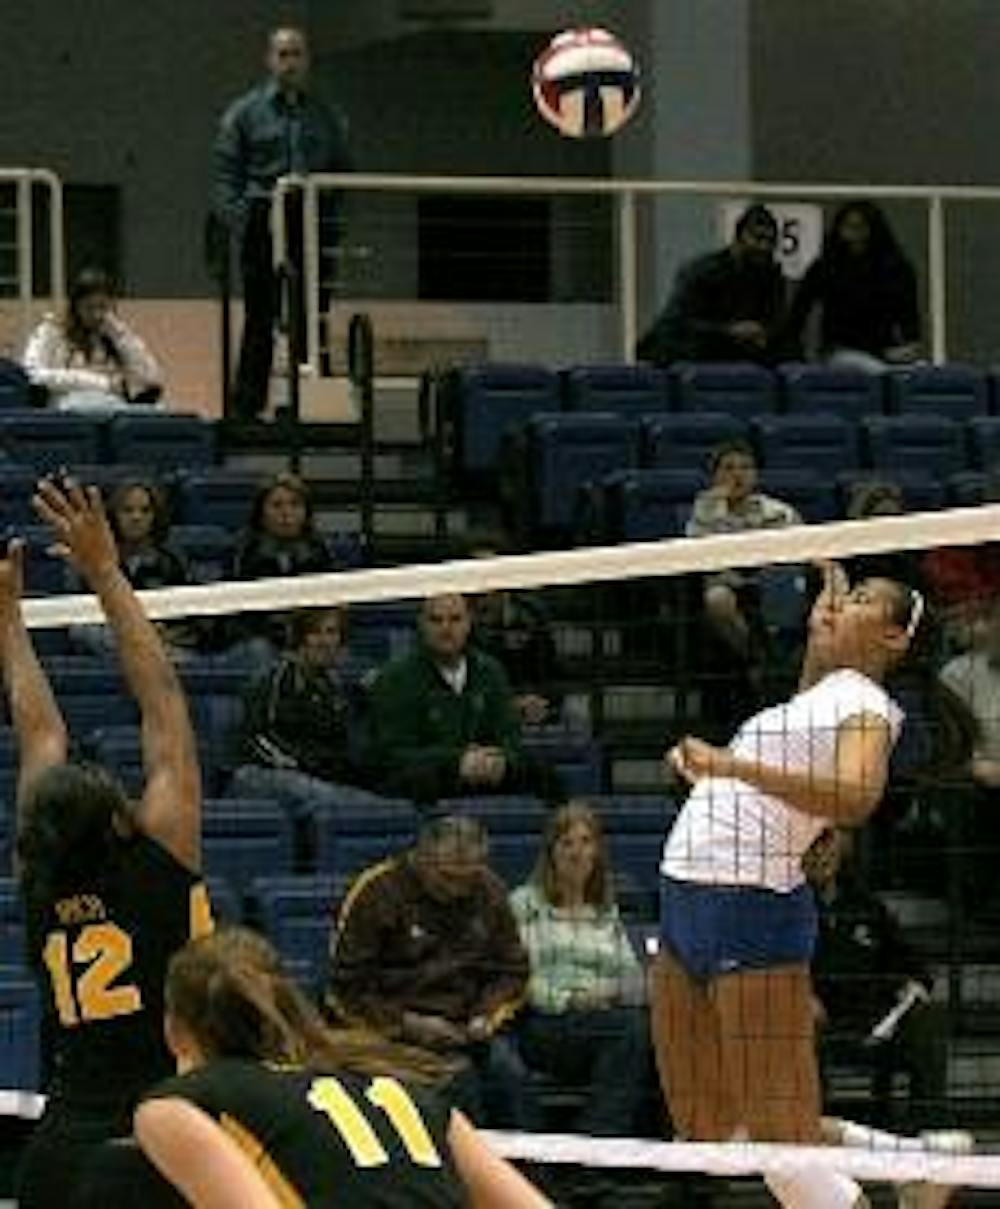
x,y
328,1095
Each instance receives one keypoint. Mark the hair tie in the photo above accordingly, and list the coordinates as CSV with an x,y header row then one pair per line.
x,y
916,612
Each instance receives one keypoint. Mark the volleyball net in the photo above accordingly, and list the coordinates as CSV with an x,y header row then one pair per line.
x,y
612,654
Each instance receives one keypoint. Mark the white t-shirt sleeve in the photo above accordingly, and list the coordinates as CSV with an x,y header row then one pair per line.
x,y
851,694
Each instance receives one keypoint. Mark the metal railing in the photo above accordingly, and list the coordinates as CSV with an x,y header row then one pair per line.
x,y
625,194
24,180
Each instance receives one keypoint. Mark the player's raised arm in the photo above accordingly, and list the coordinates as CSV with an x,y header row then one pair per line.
x,y
36,718
171,804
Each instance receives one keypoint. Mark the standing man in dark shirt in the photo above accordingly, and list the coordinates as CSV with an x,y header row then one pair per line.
x,y
279,128
726,305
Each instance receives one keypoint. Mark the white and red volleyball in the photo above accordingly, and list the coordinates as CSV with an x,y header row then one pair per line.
x,y
586,83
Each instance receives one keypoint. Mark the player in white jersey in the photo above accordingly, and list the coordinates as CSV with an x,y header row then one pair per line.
x,y
732,1000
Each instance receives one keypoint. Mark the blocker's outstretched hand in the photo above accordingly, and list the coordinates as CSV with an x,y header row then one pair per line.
x,y
83,535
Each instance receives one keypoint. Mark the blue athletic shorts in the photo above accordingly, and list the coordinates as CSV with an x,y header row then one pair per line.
x,y
714,930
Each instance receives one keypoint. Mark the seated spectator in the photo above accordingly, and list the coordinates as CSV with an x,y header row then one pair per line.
x,y
873,992
426,951
734,505
514,628
280,539
975,678
302,722
586,1023
875,497
90,359
866,290
727,305
137,513
444,722
880,497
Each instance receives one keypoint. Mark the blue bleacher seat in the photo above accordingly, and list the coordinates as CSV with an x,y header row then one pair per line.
x,y
17,486
217,496
578,758
297,915
740,388
486,400
208,549
13,952
637,854
784,602
848,393
161,440
84,674
501,812
984,441
88,712
566,452
348,549
631,390
686,440
635,812
959,392
348,839
512,856
226,906
645,505
44,573
20,1023
819,442
813,495
931,444
245,838
967,490
119,749
49,440
15,385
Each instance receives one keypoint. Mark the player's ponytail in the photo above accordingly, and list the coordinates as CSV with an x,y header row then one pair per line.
x,y
231,994
67,835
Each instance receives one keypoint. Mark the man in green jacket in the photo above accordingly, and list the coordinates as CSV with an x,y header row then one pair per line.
x,y
444,723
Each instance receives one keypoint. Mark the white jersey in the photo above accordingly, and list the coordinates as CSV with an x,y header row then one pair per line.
x,y
729,832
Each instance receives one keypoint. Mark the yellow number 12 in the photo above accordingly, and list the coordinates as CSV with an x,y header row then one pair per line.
x,y
105,952
328,1095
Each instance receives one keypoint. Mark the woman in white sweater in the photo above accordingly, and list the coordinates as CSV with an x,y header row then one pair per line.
x,y
733,1015
89,359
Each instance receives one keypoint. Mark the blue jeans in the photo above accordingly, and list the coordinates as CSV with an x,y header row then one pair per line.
x,y
301,794
606,1050
493,1090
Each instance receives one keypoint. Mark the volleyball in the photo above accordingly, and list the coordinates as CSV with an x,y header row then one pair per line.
x,y
586,83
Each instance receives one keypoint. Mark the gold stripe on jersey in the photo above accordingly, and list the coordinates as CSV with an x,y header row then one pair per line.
x,y
200,920
279,1186
360,883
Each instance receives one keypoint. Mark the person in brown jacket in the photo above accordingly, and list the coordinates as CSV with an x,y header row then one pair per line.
x,y
426,950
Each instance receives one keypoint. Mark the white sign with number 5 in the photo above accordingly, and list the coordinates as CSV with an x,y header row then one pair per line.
x,y
800,232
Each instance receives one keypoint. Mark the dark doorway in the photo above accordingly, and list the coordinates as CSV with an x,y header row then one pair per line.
x,y
484,249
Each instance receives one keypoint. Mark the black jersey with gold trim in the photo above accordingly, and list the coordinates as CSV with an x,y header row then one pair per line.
x,y
323,1138
101,952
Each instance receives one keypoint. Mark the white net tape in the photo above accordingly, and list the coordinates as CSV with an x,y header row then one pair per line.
x,y
561,568
748,1158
